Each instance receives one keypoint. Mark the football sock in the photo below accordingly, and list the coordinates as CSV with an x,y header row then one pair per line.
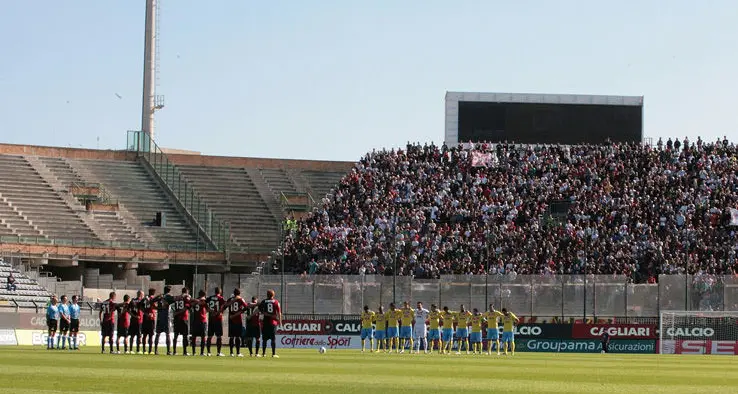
x,y
202,346
169,342
250,344
176,336
117,344
231,343
512,346
264,348
194,344
209,346
110,342
238,345
274,347
125,346
184,345
156,344
219,343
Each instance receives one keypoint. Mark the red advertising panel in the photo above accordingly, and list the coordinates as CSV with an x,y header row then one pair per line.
x,y
699,346
314,327
616,331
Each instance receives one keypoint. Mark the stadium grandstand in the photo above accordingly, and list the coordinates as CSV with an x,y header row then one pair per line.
x,y
631,209
75,218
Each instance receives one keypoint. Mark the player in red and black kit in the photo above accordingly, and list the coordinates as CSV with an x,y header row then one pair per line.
x,y
253,327
107,320
199,321
272,313
216,304
180,319
149,320
124,323
134,332
236,306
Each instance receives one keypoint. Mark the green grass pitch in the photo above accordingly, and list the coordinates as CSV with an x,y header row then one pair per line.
x,y
35,370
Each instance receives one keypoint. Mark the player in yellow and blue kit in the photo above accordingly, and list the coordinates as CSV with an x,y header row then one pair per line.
x,y
462,329
447,334
380,329
393,318
434,329
493,334
407,315
475,338
508,324
367,321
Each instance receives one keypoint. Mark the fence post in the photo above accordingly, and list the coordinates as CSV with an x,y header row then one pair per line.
x,y
562,299
532,295
626,300
314,286
470,293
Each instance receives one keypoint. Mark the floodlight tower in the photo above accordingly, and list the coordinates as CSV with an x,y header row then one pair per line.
x,y
151,102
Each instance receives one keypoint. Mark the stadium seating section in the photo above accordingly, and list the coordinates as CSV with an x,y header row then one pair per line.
x,y
37,203
27,290
634,209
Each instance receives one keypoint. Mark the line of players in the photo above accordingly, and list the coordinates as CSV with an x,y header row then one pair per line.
x,y
139,318
412,328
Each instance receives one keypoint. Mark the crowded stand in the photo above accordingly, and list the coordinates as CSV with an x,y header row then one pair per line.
x,y
631,209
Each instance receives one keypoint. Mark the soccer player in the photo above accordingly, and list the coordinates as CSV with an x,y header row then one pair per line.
x,y
73,323
148,304
407,314
162,319
134,331
199,321
380,329
508,337
107,321
420,330
63,324
493,334
393,317
253,328
272,313
434,332
367,325
605,342
124,323
447,334
236,306
52,318
180,318
475,338
216,305
462,329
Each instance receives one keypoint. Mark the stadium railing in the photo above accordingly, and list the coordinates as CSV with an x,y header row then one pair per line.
x,y
209,225
559,296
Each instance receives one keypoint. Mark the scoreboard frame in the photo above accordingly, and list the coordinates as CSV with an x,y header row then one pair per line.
x,y
451,129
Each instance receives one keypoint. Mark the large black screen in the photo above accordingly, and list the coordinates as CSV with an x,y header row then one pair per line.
x,y
549,123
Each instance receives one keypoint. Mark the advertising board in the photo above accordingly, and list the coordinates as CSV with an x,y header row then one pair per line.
x,y
7,337
308,341
616,331
585,346
38,338
699,346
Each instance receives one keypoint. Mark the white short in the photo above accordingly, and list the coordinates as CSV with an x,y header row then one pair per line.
x,y
420,331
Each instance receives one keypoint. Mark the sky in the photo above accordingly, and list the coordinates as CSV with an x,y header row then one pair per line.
x,y
334,79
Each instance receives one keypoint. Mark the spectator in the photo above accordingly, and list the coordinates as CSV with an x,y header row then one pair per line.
x,y
427,211
11,286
